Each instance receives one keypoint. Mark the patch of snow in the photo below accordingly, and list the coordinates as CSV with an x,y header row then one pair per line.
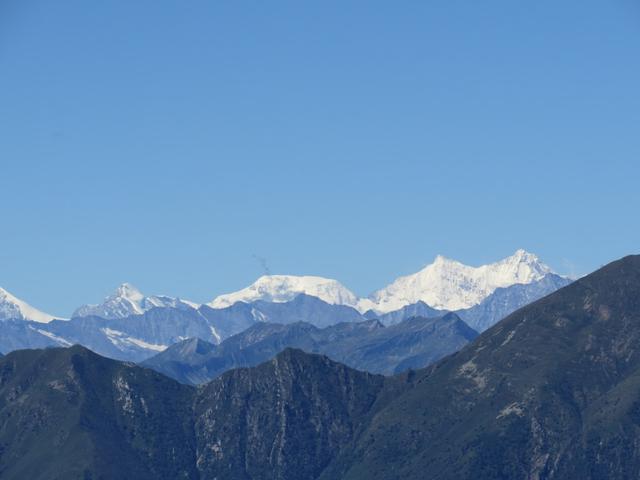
x,y
258,316
512,409
121,339
61,341
215,333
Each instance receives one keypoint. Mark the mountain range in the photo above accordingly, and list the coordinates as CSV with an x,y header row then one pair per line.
x,y
131,326
139,336
369,345
550,392
445,285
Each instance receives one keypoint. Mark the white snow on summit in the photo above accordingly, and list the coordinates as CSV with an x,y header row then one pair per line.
x,y
13,308
283,288
444,284
128,300
450,285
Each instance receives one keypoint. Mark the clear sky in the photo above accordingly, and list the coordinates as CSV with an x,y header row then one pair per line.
x,y
176,144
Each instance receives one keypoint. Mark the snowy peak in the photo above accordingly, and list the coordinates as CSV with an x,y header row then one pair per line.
x,y
129,292
521,267
128,300
284,288
450,285
13,308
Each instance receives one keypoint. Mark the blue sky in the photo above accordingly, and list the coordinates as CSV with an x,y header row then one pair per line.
x,y
170,143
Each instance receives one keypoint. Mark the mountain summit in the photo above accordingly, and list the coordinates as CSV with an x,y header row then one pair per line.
x,y
284,288
128,300
12,308
450,285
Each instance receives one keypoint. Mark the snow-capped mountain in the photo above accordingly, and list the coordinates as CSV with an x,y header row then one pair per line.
x,y
450,285
12,307
444,285
128,300
127,325
283,288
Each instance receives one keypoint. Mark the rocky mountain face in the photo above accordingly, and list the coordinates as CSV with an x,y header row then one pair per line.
x,y
367,346
70,414
550,392
286,419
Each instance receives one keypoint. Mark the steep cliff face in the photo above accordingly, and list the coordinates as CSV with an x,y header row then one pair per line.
x,y
288,418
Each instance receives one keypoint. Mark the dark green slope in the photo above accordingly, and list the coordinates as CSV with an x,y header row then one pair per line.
x,y
69,413
552,391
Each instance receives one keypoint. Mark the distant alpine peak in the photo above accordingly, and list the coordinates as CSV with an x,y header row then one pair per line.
x,y
450,285
128,300
284,288
12,307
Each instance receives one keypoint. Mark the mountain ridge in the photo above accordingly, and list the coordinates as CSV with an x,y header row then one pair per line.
x,y
442,285
366,346
139,336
